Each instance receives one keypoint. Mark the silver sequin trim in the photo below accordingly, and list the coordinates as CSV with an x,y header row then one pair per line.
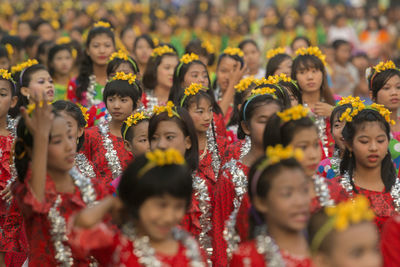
x,y
82,163
322,191
269,249
111,155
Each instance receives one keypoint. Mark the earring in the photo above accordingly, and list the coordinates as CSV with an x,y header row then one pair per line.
x,y
27,97
77,141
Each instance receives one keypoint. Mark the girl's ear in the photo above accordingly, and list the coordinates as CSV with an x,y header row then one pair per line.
x,y
80,131
25,91
14,101
245,127
188,142
260,204
127,146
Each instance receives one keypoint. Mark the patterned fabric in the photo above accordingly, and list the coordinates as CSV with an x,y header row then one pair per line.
x,y
390,242
37,225
247,255
328,169
394,149
94,150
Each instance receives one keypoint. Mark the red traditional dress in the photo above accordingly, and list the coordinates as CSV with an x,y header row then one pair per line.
x,y
122,249
247,255
390,242
6,143
106,152
231,208
43,219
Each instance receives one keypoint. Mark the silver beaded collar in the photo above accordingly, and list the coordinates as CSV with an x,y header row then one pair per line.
x,y
91,92
322,191
269,249
111,155
84,166
12,128
146,254
58,225
212,147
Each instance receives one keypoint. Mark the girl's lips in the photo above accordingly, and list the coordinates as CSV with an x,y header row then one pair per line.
x,y
373,158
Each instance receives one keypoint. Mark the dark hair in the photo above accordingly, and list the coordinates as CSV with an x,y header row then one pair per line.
x,y
123,89
75,112
238,99
185,124
243,43
338,43
348,163
116,62
3,52
281,93
13,40
220,58
189,100
86,68
303,38
145,37
52,53
274,63
43,49
337,112
195,46
277,133
316,222
308,62
249,107
150,74
293,89
129,132
134,190
178,79
13,86
31,40
376,81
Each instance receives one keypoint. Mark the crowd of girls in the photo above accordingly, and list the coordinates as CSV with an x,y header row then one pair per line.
x,y
149,158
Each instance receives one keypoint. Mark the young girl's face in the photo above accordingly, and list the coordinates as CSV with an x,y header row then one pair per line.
x,y
63,62
389,94
123,67
356,246
140,142
196,74
224,70
143,51
169,135
119,107
370,145
158,215
310,80
62,146
40,83
100,48
5,63
202,114
287,204
251,56
337,129
307,140
6,99
165,71
285,67
72,124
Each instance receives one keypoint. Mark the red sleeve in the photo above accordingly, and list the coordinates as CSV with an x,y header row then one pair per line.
x,y
71,91
390,242
247,255
220,125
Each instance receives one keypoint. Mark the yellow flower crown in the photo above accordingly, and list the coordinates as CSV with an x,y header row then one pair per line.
x,y
273,52
343,215
233,51
133,120
63,40
208,46
119,54
357,106
313,51
10,50
294,113
101,23
263,91
156,42
382,66
161,50
122,76
193,89
187,58
6,75
26,64
170,108
349,100
84,113
160,158
244,84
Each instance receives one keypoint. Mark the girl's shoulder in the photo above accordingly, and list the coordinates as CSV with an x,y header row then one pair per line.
x,y
247,255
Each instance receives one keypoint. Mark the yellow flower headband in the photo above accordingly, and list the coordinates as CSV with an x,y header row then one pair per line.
x,y
160,158
275,79
273,52
84,113
275,155
63,40
102,24
294,113
208,46
186,59
119,54
20,67
133,120
382,66
312,51
244,84
352,211
263,91
233,51
349,100
6,75
161,50
170,108
10,50
193,89
357,106
122,76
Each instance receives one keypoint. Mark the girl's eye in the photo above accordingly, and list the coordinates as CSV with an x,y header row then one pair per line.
x,y
170,137
3,95
381,141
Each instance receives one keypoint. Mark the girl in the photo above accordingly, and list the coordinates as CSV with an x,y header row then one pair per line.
x,y
278,189
289,85
366,167
199,104
142,49
155,191
252,56
278,62
309,71
5,62
384,86
121,96
50,189
60,64
204,49
121,62
158,76
231,203
345,236
134,131
88,87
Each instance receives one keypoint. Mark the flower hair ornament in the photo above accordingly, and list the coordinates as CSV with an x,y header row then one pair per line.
x,y
161,50
312,51
358,106
186,59
133,120
22,66
4,74
160,158
170,108
63,40
85,114
233,52
10,50
274,155
343,215
380,67
130,78
294,113
121,54
193,89
349,100
275,79
208,47
245,83
273,52
103,24
258,92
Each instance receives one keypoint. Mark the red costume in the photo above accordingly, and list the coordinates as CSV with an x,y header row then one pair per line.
x,y
390,242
